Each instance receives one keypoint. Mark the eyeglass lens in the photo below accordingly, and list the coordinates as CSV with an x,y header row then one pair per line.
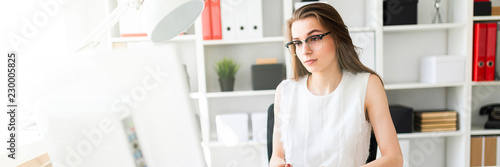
x,y
313,42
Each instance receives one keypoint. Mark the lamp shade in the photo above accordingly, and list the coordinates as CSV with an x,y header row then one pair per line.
x,y
165,19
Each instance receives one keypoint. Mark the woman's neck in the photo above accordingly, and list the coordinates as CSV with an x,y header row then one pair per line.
x,y
325,82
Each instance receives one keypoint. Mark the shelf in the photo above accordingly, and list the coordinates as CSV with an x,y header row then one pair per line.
x,y
479,130
486,18
421,27
415,135
486,83
361,29
243,41
422,85
215,144
240,93
146,39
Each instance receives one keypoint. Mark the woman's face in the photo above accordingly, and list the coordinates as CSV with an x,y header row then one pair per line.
x,y
320,59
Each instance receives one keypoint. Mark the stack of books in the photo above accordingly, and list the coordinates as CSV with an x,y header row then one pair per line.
x,y
430,121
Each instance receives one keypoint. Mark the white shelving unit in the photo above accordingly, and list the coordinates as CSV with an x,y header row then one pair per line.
x,y
241,93
251,143
483,93
146,39
398,50
486,18
423,135
423,27
422,85
490,83
243,41
479,131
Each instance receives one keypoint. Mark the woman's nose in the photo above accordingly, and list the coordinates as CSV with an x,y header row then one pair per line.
x,y
306,49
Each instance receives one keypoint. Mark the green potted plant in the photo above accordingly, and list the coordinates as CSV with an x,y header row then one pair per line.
x,y
226,69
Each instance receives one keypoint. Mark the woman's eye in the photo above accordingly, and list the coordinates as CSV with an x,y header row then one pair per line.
x,y
297,43
314,39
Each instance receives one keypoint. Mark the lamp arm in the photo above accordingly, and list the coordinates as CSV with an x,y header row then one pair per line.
x,y
93,38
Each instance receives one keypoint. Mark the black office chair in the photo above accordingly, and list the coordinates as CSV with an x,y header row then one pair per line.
x,y
270,125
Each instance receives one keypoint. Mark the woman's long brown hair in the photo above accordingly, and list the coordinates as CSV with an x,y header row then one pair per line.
x,y
329,18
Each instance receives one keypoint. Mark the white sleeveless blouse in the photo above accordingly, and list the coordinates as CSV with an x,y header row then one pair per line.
x,y
329,130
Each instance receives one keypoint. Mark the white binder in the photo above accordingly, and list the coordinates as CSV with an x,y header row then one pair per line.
x,y
227,14
241,18
259,127
232,128
255,29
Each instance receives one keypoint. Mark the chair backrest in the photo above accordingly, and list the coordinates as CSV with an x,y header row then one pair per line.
x,y
270,125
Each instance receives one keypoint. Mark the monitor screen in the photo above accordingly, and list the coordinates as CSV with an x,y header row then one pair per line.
x,y
119,108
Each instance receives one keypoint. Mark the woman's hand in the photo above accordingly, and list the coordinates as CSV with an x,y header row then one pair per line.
x,y
278,162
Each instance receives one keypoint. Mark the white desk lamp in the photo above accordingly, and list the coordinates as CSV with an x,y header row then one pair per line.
x,y
162,19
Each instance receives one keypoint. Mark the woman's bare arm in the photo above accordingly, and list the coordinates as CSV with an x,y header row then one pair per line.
x,y
377,108
278,155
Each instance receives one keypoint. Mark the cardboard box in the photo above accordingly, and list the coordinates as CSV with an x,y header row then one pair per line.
x,y
495,11
438,69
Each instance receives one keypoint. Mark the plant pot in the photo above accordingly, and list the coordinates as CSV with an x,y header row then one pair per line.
x,y
226,84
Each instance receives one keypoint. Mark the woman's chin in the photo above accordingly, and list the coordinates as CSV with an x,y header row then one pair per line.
x,y
311,70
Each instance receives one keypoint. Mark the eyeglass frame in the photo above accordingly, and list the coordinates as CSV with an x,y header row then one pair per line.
x,y
305,41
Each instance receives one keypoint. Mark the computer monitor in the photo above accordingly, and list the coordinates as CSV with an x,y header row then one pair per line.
x,y
120,108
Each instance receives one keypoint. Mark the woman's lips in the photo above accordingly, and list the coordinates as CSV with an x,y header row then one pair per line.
x,y
310,61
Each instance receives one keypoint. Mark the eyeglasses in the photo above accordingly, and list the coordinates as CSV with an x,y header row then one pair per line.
x,y
314,42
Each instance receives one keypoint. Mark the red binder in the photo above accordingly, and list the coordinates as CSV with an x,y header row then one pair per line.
x,y
205,20
491,39
479,52
215,17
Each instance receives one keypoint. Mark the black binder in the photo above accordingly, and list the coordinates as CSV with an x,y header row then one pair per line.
x,y
402,117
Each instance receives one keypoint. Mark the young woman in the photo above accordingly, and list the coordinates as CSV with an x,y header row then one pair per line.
x,y
325,113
